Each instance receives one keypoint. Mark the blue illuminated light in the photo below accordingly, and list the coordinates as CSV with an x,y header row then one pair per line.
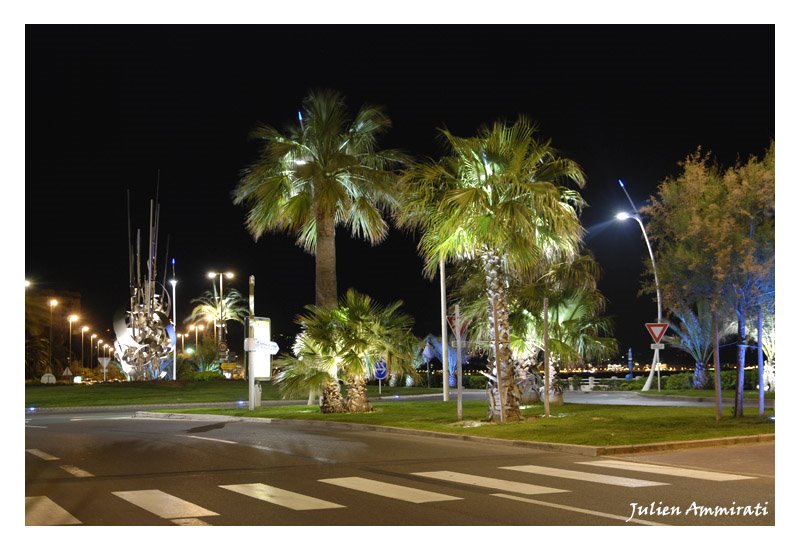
x,y
299,116
241,403
397,397
173,261
621,184
31,409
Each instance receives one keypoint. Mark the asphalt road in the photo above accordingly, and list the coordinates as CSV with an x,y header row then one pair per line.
x,y
109,468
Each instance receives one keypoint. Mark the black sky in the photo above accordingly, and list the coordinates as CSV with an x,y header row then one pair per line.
x,y
107,107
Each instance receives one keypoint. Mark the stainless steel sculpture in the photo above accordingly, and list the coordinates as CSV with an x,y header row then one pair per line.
x,y
145,334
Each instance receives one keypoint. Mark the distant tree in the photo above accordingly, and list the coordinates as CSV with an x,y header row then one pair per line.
x,y
232,307
692,333
496,198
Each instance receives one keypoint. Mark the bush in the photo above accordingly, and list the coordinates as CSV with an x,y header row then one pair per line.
x,y
680,381
203,376
475,381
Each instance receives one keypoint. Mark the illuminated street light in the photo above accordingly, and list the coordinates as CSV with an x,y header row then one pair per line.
x,y
228,275
84,328
72,318
174,283
53,303
91,348
624,216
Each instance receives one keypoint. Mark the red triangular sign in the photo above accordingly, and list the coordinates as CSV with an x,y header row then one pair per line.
x,y
656,330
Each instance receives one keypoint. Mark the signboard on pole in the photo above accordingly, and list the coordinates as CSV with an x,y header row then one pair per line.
x,y
257,347
380,370
656,330
451,320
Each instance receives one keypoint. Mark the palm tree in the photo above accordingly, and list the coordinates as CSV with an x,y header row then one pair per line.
x,y
322,173
347,342
497,198
232,307
692,333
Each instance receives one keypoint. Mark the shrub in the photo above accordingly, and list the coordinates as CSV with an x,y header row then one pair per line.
x,y
204,376
679,381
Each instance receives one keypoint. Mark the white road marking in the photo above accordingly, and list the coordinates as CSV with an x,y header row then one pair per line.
x,y
579,510
163,504
666,470
74,470
43,511
189,521
212,439
491,483
584,476
33,426
287,499
41,454
388,490
102,418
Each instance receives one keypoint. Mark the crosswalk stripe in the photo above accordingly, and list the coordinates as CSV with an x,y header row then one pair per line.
x,y
666,470
287,499
163,504
491,483
388,490
189,521
578,510
43,511
74,470
584,476
41,454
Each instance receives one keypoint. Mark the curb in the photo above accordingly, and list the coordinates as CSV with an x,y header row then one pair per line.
x,y
584,450
770,403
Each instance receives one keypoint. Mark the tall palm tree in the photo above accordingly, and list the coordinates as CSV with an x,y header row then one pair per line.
x,y
496,198
323,172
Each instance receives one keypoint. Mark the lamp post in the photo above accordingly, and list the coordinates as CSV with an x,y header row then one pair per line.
x,y
84,328
195,328
211,275
91,347
174,283
53,303
624,216
183,341
72,318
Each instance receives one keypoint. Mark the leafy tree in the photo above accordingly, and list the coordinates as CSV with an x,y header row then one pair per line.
x,y
496,198
714,238
325,171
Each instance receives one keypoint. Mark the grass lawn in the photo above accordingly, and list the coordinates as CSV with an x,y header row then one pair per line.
x,y
148,393
598,425
726,394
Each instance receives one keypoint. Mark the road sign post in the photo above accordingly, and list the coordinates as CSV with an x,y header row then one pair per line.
x,y
657,331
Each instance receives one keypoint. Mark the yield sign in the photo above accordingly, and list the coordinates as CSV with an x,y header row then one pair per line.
x,y
656,330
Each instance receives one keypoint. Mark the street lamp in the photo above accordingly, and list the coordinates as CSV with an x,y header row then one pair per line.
x,y
84,328
72,318
91,348
53,303
656,366
211,275
195,328
183,341
174,283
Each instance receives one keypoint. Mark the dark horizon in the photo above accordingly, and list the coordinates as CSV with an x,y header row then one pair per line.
x,y
110,108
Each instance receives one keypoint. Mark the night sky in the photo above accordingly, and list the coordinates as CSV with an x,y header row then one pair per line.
x,y
108,107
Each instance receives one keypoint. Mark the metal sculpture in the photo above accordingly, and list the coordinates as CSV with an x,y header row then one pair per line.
x,y
145,335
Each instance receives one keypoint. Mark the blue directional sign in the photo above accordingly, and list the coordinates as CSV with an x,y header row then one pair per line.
x,y
380,370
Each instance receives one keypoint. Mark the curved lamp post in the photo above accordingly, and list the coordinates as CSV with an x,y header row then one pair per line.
x,y
211,275
633,215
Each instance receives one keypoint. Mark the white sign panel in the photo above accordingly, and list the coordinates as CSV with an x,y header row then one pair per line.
x,y
259,358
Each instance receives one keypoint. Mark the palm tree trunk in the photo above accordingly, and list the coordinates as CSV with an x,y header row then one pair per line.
x,y
325,284
499,334
332,401
357,395
700,375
